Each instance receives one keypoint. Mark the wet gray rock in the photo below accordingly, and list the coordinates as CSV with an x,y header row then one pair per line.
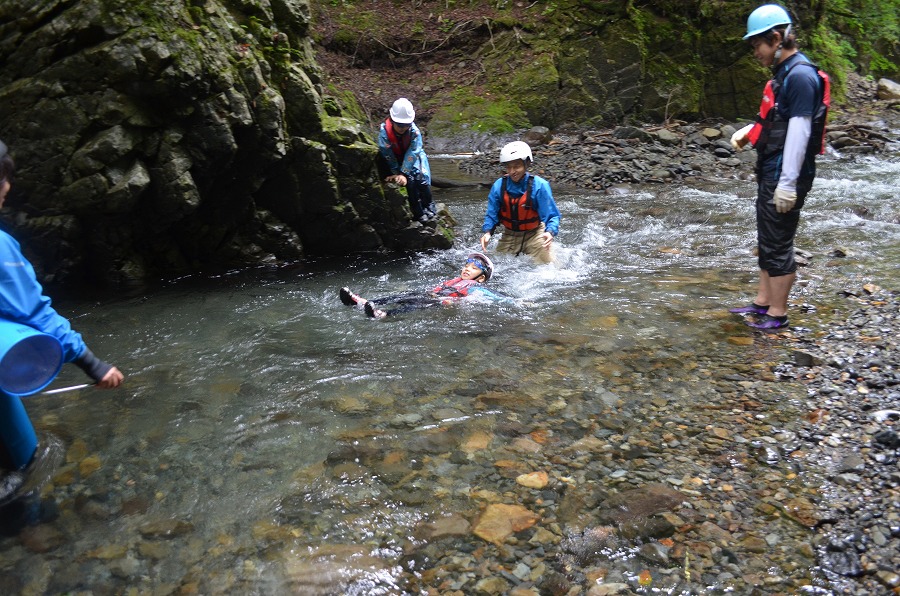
x,y
640,502
888,89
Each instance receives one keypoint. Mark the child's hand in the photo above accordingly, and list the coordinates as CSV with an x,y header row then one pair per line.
x,y
547,238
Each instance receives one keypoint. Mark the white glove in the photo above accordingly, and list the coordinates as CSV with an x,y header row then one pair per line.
x,y
784,200
740,138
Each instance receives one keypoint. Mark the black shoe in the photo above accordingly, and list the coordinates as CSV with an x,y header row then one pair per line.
x,y
351,299
373,312
10,483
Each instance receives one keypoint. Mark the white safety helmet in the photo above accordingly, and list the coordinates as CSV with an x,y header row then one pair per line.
x,y
486,266
402,111
516,150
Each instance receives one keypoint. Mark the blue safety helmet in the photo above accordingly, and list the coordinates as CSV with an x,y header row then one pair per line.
x,y
766,17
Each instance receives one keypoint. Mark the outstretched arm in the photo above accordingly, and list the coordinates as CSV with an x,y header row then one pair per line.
x,y
492,295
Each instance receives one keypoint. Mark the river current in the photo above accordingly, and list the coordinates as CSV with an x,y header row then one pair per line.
x,y
271,440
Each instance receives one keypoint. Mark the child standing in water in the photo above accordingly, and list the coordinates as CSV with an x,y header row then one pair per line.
x,y
524,204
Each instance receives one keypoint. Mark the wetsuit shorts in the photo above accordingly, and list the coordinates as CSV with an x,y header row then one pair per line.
x,y
775,231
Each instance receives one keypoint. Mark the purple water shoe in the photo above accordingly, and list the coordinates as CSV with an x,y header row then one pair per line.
x,y
768,322
752,308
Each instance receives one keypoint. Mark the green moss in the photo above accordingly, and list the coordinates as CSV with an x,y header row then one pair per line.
x,y
343,103
345,131
532,84
466,112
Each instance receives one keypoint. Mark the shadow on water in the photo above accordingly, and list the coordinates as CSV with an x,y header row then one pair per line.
x,y
271,439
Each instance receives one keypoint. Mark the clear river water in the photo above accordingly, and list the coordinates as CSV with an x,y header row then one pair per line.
x,y
271,440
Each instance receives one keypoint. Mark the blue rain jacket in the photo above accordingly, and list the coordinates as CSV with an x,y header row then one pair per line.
x,y
415,161
22,299
541,197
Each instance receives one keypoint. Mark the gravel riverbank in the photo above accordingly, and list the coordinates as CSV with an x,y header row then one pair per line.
x,y
600,161
849,430
851,427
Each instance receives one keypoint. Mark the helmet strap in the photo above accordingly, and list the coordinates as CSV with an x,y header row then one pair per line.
x,y
784,36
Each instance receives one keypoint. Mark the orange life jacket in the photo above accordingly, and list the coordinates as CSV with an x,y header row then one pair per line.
x,y
455,288
519,214
399,144
770,131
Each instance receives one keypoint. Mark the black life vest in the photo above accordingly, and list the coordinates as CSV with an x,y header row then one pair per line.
x,y
770,131
519,214
399,144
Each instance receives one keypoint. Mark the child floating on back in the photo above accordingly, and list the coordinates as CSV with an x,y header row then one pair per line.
x,y
477,270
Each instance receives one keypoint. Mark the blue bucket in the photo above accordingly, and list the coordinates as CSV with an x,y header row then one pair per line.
x,y
29,359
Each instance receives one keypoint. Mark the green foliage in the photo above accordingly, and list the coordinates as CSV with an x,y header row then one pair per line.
x,y
860,35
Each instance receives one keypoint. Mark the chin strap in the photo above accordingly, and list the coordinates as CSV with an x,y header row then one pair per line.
x,y
784,36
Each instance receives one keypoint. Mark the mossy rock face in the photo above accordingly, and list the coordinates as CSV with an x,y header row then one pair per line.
x,y
600,78
735,93
533,85
172,122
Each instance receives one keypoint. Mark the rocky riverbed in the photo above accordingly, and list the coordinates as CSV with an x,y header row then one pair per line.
x,y
600,160
853,417
591,454
778,475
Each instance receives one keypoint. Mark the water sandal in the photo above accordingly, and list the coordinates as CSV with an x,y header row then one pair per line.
x,y
376,313
752,308
768,322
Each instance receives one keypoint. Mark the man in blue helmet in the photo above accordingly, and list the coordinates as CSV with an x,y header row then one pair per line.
x,y
787,135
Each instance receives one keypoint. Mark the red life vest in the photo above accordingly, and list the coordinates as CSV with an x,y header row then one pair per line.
x,y
455,288
519,214
770,131
399,144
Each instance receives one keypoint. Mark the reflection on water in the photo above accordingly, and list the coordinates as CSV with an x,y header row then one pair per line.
x,y
271,438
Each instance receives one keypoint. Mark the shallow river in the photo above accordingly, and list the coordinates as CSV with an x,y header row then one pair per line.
x,y
270,439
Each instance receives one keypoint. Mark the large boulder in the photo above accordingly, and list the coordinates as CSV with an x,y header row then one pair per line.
x,y
167,135
888,89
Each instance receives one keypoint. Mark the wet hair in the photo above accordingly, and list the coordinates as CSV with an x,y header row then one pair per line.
x,y
790,42
7,165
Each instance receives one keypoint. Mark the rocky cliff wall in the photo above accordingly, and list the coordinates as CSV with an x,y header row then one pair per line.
x,y
155,137
482,68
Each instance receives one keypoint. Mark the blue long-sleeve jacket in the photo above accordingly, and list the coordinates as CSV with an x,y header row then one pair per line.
x,y
541,197
22,300
415,162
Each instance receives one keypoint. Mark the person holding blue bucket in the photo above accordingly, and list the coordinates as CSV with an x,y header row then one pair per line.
x,y
34,343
